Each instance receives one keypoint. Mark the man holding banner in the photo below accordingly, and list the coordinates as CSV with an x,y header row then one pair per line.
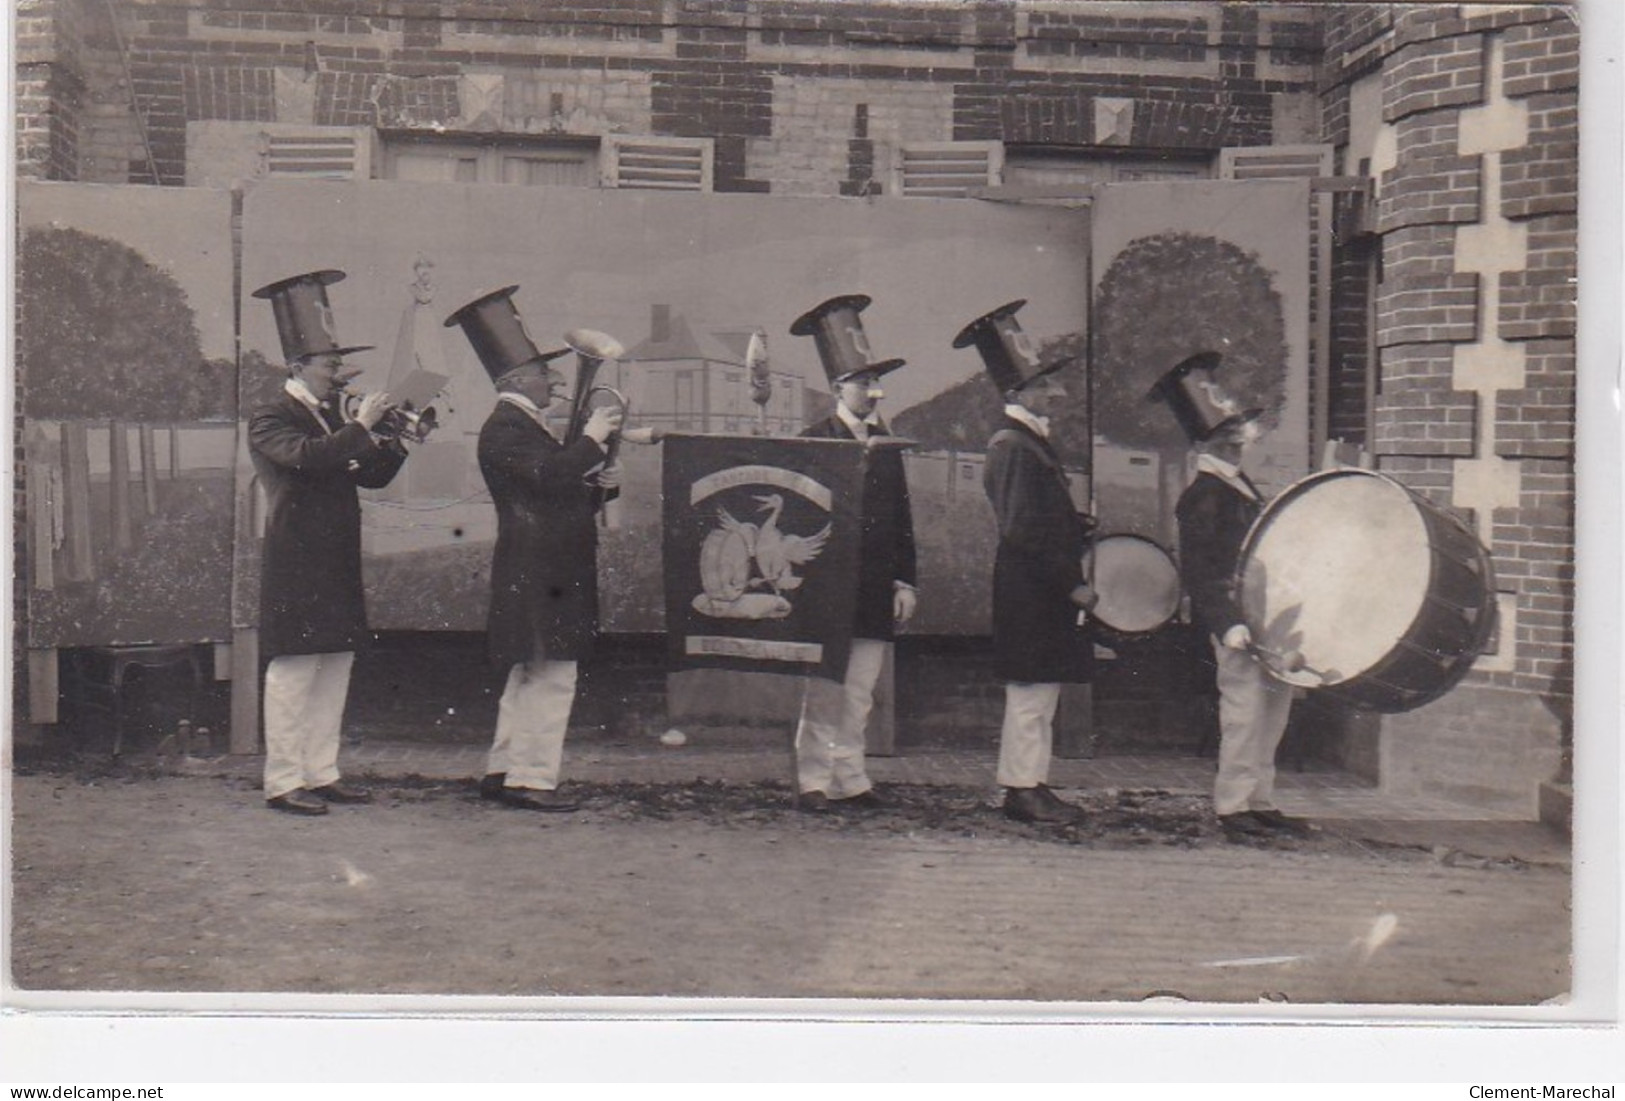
x,y
547,488
830,735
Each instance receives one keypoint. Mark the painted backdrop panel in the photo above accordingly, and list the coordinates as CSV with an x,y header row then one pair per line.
x,y
1183,267
127,385
681,280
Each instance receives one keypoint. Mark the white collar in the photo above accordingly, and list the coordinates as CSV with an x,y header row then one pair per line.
x,y
301,393
1023,415
860,427
534,411
1229,472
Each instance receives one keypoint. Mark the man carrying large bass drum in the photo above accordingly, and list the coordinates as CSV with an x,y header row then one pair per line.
x,y
1215,513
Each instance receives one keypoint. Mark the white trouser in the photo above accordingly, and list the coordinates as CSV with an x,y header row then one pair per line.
x,y
829,737
1253,711
532,717
304,707
1029,728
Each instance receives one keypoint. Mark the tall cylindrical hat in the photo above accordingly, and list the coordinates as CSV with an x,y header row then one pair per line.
x,y
843,347
304,319
1011,359
1201,408
493,326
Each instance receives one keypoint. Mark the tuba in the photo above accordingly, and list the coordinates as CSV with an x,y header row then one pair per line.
x,y
592,348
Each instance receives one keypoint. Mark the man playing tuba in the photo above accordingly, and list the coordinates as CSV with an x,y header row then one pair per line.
x,y
547,485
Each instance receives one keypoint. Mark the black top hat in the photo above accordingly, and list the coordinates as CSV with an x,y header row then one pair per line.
x,y
304,320
1008,353
1201,408
843,348
493,326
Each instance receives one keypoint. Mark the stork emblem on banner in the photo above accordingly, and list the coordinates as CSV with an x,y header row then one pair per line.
x,y
740,556
760,551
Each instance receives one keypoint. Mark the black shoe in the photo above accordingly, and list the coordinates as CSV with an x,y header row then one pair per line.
x,y
1038,804
864,800
342,793
538,799
1241,825
297,801
491,785
1283,823
812,802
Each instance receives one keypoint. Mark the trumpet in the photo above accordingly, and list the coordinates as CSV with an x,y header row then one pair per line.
x,y
409,420
399,422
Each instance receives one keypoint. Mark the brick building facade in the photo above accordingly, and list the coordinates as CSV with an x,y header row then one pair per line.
x,y
1451,328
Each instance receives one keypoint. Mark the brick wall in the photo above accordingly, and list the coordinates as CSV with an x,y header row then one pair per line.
x,y
49,88
747,75
1475,375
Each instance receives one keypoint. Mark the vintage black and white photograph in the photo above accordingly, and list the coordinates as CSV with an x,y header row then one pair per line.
x,y
1048,506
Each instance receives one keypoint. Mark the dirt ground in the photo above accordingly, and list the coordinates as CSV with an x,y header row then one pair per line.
x,y
133,878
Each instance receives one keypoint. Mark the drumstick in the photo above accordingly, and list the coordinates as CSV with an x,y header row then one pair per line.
x,y
1290,661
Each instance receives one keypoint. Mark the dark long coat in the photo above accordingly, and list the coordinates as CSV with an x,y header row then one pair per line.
x,y
886,549
311,596
1042,539
1213,520
544,572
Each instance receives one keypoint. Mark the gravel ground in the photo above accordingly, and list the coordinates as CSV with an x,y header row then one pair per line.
x,y
133,878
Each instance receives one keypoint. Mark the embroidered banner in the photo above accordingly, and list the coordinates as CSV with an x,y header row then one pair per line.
x,y
761,552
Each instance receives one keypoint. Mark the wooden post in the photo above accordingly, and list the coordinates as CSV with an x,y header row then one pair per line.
x,y
44,476
245,690
118,485
43,686
149,468
78,558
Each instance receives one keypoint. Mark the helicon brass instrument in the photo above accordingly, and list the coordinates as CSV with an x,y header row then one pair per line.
x,y
591,348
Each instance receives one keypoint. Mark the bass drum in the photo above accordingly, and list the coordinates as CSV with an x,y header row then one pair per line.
x,y
1137,582
1352,583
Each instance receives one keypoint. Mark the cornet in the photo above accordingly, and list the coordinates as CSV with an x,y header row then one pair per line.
x,y
410,419
399,422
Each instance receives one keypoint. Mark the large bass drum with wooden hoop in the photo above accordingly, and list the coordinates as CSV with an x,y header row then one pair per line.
x,y
1137,582
1352,583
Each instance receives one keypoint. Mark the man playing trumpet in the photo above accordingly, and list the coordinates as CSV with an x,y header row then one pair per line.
x,y
313,613
547,484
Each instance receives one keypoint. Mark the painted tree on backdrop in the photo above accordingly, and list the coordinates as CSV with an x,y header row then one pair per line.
x,y
105,336
1166,297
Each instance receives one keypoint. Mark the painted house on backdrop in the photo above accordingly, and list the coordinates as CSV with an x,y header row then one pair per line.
x,y
681,380
1436,145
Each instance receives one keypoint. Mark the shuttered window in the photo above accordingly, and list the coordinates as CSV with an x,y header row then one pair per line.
x,y
656,164
1275,162
326,153
948,170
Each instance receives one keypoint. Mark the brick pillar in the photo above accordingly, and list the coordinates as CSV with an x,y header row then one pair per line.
x,y
1475,394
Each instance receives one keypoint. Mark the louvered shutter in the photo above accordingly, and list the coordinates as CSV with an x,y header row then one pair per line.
x,y
320,153
1275,162
948,170
1302,162
656,164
